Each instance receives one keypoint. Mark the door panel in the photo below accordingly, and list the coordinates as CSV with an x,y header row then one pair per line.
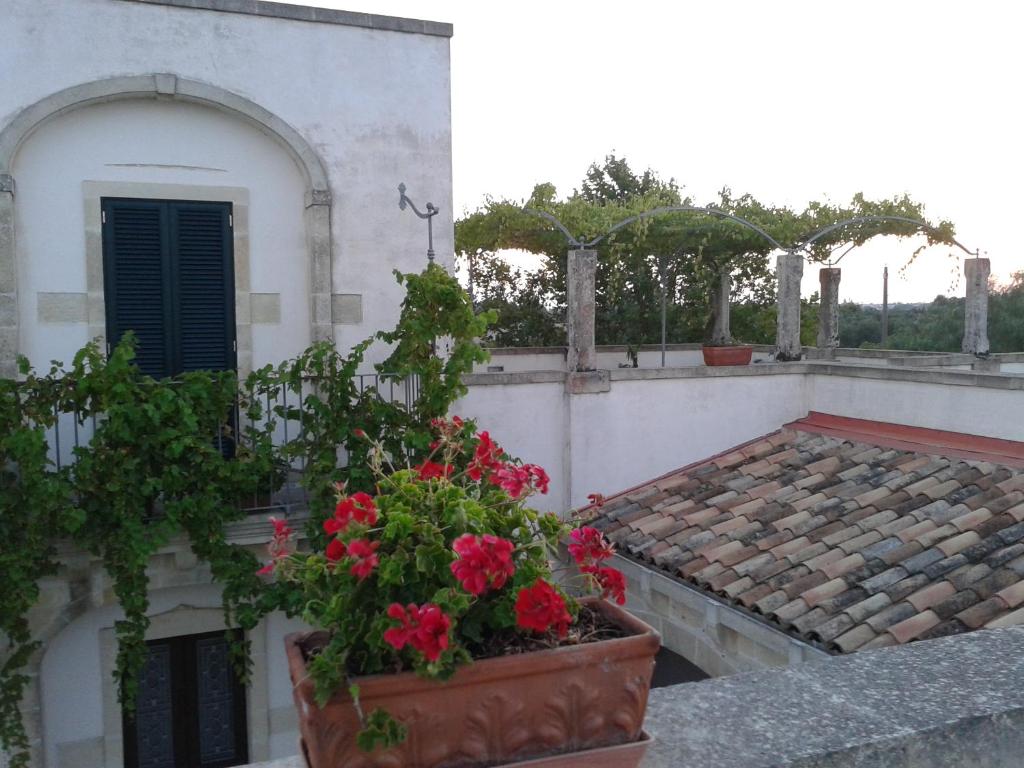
x,y
191,707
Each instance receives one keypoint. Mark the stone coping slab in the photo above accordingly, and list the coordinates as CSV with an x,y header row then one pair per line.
x,y
312,14
885,373
954,701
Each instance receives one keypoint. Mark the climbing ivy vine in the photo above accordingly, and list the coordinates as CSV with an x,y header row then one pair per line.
x,y
172,457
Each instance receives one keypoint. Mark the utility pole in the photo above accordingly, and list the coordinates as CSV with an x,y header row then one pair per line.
x,y
885,306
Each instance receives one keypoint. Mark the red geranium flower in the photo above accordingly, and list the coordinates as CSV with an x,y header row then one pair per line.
x,y
335,550
485,562
612,583
589,546
423,627
429,470
539,477
363,552
278,545
486,457
358,507
540,608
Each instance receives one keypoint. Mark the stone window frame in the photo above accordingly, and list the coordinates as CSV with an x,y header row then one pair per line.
x,y
165,86
93,193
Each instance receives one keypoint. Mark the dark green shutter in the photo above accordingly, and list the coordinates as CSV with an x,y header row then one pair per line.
x,y
169,277
205,287
136,271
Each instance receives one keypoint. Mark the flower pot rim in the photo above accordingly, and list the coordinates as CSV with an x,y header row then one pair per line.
x,y
634,749
644,640
728,346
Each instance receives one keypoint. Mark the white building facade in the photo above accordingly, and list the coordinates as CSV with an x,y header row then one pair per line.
x,y
251,152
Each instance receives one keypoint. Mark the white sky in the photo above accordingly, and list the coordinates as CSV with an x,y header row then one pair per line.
x,y
788,100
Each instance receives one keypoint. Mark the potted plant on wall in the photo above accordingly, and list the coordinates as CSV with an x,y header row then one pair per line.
x,y
443,566
719,348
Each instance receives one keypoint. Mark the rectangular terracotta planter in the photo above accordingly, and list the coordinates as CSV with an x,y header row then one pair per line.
x,y
495,711
732,355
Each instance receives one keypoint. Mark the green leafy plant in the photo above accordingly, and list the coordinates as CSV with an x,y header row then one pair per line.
x,y
445,563
173,457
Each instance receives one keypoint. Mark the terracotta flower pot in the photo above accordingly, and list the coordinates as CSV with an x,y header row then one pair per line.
x,y
494,711
731,355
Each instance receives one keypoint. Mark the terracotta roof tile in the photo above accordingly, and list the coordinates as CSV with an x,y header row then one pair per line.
x,y
957,543
844,565
994,582
911,628
930,595
826,530
751,596
824,591
858,612
981,613
858,543
884,580
928,538
890,615
901,553
1012,595
738,587
970,520
829,556
832,628
917,529
854,639
944,566
841,540
1007,620
906,587
768,604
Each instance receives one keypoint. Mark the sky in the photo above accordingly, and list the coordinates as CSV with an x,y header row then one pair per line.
x,y
790,101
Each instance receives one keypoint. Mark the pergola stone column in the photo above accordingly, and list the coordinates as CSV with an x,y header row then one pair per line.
x,y
582,309
789,270
828,315
976,307
720,332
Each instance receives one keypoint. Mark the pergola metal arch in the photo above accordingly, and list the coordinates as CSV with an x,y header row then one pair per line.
x,y
577,243
803,246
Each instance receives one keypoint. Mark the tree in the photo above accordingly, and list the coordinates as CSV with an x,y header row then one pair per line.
x,y
679,258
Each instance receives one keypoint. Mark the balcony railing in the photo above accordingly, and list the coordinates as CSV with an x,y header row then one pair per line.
x,y
277,407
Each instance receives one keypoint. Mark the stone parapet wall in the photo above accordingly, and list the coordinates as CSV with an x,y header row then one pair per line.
x,y
714,636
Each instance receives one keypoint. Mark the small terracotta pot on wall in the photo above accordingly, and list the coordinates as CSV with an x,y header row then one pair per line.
x,y
732,355
498,711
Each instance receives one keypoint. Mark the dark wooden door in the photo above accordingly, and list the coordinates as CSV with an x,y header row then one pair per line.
x,y
190,711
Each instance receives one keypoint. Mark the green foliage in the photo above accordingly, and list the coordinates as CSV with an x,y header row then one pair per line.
x,y
939,325
151,469
154,467
683,254
417,526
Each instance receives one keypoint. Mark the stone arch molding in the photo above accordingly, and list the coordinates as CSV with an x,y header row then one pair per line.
x,y
166,86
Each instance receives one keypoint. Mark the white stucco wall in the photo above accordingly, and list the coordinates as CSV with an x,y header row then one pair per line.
x,y
373,104
645,425
128,141
982,411
642,428
530,421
